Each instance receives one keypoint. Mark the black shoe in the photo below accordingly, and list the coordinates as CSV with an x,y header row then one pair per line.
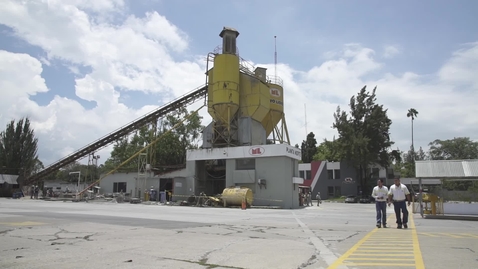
x,y
385,226
399,227
378,226
405,226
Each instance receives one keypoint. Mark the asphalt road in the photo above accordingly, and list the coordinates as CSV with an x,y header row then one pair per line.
x,y
42,234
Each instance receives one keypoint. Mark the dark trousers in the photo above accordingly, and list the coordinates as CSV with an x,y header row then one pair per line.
x,y
381,208
397,206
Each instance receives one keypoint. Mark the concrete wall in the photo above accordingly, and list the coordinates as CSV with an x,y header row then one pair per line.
x,y
466,196
347,188
277,171
320,181
460,208
107,183
184,186
63,185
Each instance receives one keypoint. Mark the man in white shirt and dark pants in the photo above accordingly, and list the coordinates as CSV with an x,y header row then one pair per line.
x,y
380,194
398,194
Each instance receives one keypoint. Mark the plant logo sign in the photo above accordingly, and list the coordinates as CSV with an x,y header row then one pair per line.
x,y
275,92
256,151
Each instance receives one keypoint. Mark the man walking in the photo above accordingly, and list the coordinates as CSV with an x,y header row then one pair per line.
x,y
398,194
380,194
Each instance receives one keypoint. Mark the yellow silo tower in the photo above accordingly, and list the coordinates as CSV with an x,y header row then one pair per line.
x,y
246,105
254,92
276,114
223,87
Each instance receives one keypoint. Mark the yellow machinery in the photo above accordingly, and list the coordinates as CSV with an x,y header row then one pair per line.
x,y
237,91
432,204
276,112
234,196
254,95
223,87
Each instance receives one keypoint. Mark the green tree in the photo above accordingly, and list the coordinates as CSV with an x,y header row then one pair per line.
x,y
309,148
328,151
18,150
364,138
457,148
453,149
169,150
412,113
406,166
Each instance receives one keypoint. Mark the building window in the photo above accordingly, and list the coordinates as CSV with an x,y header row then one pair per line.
x,y
336,174
308,174
330,191
375,173
119,187
330,174
338,191
390,174
301,174
333,174
246,164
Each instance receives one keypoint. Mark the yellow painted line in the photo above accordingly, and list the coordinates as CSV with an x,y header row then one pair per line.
x,y
429,234
379,264
377,243
451,235
395,240
342,258
392,238
407,250
379,259
381,254
25,223
416,247
389,251
471,235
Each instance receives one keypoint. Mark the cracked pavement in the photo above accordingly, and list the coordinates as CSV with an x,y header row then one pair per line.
x,y
37,234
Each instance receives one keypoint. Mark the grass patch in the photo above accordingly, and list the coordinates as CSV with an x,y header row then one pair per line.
x,y
337,199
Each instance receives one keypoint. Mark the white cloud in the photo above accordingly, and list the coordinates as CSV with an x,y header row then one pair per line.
x,y
461,70
390,51
129,56
445,111
133,55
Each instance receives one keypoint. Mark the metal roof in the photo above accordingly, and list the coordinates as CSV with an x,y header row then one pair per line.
x,y
427,181
447,169
10,179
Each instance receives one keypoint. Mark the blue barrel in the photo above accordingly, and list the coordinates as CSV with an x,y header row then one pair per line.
x,y
162,196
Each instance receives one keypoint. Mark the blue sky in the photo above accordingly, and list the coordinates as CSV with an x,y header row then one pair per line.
x,y
327,51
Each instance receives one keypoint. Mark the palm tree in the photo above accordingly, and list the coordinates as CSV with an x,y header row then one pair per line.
x,y
413,113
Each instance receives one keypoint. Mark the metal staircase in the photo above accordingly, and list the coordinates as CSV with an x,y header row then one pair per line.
x,y
172,106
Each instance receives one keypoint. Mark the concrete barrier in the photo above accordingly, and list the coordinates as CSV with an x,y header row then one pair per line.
x,y
460,208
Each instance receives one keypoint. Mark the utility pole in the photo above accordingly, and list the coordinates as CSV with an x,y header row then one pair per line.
x,y
305,117
275,56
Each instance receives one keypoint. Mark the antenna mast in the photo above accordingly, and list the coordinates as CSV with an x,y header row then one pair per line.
x,y
305,112
275,56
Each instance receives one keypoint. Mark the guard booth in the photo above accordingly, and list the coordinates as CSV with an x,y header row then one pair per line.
x,y
430,204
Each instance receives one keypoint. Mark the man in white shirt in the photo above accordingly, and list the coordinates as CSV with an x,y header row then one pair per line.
x,y
398,194
380,194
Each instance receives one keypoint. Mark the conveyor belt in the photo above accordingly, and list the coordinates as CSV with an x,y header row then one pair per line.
x,y
179,102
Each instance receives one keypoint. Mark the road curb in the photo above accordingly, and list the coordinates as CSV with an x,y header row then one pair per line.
x,y
452,217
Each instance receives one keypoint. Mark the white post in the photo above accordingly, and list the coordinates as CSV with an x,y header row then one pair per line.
x,y
79,179
420,195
